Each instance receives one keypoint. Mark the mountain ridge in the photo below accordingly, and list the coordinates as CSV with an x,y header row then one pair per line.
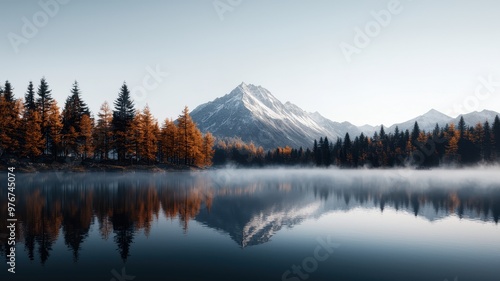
x,y
254,114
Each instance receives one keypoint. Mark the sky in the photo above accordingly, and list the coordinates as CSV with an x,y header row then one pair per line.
x,y
363,61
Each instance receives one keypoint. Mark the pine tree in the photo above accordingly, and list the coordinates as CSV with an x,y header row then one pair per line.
x,y
10,120
186,129
157,134
382,133
54,126
33,141
103,131
415,132
73,112
347,151
147,142
29,98
169,140
86,128
487,143
325,150
123,115
208,151
316,153
44,103
8,93
453,137
461,127
496,136
197,150
28,108
132,139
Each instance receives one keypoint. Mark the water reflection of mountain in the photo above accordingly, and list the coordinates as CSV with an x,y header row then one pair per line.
x,y
250,225
52,207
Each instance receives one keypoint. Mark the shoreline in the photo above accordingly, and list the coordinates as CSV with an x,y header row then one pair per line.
x,y
90,166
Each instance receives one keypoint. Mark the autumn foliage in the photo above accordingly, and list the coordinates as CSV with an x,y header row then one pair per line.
x,y
38,129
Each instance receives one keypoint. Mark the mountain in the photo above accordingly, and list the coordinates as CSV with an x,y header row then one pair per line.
x,y
426,122
473,118
254,114
429,120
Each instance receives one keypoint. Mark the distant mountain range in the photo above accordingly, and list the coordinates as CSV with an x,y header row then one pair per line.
x,y
254,114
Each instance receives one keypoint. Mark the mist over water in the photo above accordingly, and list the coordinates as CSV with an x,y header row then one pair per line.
x,y
479,177
248,224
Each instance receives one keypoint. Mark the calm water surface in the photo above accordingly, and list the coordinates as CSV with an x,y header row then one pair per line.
x,y
257,225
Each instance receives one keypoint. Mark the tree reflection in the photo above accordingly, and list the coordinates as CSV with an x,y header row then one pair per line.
x,y
124,205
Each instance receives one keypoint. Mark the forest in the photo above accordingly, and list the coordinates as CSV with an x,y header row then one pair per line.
x,y
35,129
459,145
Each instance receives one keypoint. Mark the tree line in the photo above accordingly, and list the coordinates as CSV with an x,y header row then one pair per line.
x,y
236,151
36,128
458,145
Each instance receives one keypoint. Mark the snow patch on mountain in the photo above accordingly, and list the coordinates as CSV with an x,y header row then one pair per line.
x,y
252,113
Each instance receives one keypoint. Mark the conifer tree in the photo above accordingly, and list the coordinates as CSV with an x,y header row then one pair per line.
x,y
461,127
44,102
208,151
86,128
54,126
103,131
316,153
325,150
496,136
10,120
197,150
169,140
72,115
123,115
415,132
382,133
8,93
453,137
132,139
346,150
487,143
29,98
29,107
186,130
33,141
147,142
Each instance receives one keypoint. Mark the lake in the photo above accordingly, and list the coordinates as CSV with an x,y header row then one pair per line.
x,y
270,224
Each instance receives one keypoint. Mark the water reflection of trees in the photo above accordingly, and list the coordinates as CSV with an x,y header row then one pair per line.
x,y
123,206
468,201
52,207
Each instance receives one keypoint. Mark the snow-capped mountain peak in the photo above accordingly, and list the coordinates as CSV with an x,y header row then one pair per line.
x,y
254,114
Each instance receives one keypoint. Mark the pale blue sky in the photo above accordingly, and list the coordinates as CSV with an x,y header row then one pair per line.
x,y
430,55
